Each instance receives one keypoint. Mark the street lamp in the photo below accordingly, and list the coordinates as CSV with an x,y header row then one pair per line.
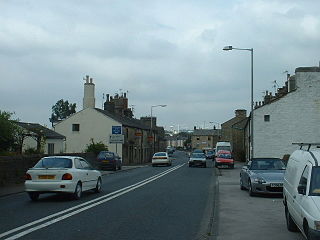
x,y
160,105
228,48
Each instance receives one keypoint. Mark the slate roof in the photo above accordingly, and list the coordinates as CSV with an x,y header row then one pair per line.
x,y
125,121
37,129
206,132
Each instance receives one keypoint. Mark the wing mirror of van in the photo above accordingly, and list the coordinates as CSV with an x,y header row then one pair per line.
x,y
302,189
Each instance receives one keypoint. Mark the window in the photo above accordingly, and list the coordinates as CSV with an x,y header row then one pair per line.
x,y
198,138
54,162
77,164
75,127
304,177
209,138
50,148
84,164
267,118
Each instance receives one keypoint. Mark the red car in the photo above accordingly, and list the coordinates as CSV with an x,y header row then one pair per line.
x,y
224,158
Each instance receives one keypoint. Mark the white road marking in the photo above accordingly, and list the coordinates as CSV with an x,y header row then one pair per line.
x,y
82,207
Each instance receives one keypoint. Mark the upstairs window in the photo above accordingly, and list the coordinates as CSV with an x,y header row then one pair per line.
x,y
75,127
267,118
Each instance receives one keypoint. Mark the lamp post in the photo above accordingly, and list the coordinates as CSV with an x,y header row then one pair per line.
x,y
228,48
160,105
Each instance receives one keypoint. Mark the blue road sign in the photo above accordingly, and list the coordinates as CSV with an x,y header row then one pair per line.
x,y
116,130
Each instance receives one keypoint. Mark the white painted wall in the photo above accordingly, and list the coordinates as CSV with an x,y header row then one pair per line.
x,y
93,125
59,145
30,142
293,118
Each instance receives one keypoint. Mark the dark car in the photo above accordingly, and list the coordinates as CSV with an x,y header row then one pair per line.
x,y
109,160
210,154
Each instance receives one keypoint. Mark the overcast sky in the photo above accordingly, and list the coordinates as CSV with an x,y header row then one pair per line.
x,y
160,51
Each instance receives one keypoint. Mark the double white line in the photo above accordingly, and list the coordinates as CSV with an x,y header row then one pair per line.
x,y
57,217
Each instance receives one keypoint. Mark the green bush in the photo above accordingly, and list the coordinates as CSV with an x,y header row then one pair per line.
x,y
96,147
31,151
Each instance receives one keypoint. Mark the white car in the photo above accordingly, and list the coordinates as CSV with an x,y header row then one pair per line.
x,y
161,158
197,159
62,174
301,192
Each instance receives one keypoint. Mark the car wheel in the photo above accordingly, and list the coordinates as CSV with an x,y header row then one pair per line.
x,y
251,193
98,185
115,167
120,167
204,165
241,185
232,166
34,196
78,191
190,165
291,226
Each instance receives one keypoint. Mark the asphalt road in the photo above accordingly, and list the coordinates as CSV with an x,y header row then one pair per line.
x,y
144,203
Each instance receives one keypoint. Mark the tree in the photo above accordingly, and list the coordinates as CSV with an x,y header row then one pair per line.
x,y
8,131
96,147
61,110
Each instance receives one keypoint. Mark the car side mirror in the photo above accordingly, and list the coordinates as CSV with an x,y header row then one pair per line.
x,y
302,189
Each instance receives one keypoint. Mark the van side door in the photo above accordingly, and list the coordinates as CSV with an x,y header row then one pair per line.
x,y
300,194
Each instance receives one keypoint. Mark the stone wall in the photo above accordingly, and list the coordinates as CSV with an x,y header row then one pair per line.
x,y
13,168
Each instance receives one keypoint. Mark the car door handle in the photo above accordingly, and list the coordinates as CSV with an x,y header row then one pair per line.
x,y
87,174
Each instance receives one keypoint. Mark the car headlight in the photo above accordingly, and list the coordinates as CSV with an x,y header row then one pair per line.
x,y
317,225
259,180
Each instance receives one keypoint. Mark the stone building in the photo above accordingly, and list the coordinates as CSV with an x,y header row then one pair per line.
x,y
205,138
233,131
292,115
94,124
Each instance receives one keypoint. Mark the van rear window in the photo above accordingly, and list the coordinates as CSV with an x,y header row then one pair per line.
x,y
315,182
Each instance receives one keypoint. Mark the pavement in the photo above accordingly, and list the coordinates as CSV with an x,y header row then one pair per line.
x,y
18,188
239,216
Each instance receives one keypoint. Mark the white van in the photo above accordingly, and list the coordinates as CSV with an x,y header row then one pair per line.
x,y
223,146
301,191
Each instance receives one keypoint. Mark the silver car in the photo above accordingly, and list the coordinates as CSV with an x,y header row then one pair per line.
x,y
263,175
197,159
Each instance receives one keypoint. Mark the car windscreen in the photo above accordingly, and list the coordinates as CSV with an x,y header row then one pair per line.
x,y
197,155
54,163
105,155
267,164
160,154
225,155
315,182
226,148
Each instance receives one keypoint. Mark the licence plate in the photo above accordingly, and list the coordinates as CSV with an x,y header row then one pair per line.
x,y
105,161
276,184
46,176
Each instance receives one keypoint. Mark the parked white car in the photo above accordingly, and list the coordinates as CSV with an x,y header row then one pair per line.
x,y
161,158
301,192
62,174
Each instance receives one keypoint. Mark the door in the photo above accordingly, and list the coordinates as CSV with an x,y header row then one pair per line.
x,y
300,198
91,178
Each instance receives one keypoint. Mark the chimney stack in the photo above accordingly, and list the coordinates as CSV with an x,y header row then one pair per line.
x,y
88,97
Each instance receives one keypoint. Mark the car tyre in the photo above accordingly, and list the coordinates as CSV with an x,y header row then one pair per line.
x,y
34,196
251,193
78,191
120,167
291,226
98,185
190,165
241,185
205,165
